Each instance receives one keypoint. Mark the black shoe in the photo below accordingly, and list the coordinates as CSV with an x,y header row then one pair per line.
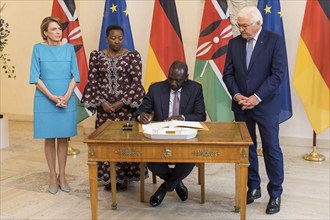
x,y
122,186
274,205
182,191
157,198
252,194
107,187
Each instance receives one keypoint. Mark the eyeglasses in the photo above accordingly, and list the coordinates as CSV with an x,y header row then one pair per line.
x,y
244,26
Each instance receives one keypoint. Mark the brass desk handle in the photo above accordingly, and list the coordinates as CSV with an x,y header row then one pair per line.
x,y
200,153
124,152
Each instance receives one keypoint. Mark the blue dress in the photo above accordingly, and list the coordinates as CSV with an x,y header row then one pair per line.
x,y
54,66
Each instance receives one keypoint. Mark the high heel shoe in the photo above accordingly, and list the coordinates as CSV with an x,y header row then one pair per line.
x,y
53,190
65,188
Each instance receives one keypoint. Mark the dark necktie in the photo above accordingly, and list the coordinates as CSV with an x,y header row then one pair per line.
x,y
249,50
176,104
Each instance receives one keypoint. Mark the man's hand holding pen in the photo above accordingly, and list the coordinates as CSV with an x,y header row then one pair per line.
x,y
145,118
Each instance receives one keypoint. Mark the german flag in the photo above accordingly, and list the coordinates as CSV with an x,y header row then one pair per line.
x,y
312,73
165,44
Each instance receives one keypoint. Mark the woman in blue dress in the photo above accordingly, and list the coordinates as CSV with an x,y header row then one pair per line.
x,y
54,71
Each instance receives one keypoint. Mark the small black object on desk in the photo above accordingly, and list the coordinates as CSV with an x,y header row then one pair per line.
x,y
128,126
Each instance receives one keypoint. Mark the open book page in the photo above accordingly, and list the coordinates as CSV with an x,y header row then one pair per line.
x,y
172,124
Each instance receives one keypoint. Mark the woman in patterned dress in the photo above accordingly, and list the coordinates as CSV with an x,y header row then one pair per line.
x,y
114,91
54,72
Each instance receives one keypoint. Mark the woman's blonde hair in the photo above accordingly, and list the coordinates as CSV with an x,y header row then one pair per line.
x,y
45,23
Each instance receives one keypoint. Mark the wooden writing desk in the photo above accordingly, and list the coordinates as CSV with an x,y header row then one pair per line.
x,y
223,143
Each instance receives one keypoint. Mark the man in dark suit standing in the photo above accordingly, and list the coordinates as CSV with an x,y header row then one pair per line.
x,y
255,66
176,98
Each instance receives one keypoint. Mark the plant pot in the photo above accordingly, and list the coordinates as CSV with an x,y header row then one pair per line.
x,y
4,132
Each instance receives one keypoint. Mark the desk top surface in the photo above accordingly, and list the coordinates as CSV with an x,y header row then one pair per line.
x,y
219,132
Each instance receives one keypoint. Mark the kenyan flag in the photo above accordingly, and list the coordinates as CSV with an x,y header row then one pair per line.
x,y
215,33
66,11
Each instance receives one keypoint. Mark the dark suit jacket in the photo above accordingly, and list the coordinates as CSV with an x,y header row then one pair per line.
x,y
158,98
264,74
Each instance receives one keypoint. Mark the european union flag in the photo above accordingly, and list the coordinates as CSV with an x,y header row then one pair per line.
x,y
272,21
115,12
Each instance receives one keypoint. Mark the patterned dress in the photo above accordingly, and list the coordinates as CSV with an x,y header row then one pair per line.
x,y
112,80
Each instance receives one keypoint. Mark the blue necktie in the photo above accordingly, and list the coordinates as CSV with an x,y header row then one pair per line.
x,y
249,49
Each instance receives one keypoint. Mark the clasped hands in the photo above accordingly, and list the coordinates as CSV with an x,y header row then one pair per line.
x,y
60,101
110,108
146,118
247,102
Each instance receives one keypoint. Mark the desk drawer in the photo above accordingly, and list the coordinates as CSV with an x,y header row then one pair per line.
x,y
167,153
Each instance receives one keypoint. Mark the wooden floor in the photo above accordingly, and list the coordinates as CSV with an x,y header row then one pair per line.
x,y
24,184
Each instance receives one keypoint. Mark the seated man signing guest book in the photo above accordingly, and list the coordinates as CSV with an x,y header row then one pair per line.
x,y
176,98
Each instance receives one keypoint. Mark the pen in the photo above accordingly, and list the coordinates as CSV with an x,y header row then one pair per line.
x,y
129,120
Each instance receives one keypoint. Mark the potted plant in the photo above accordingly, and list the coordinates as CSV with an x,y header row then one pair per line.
x,y
9,70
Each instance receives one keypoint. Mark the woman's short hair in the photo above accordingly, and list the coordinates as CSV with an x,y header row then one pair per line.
x,y
113,27
253,12
45,23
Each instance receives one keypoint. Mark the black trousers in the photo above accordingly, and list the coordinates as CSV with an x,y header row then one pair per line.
x,y
171,176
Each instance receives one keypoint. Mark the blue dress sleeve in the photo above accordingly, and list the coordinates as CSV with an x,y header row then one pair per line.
x,y
35,66
74,65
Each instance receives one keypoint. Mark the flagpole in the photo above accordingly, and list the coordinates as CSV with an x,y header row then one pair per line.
x,y
314,156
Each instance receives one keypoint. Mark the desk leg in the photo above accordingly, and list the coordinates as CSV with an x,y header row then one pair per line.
x,y
201,170
243,170
142,178
237,187
92,169
113,185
